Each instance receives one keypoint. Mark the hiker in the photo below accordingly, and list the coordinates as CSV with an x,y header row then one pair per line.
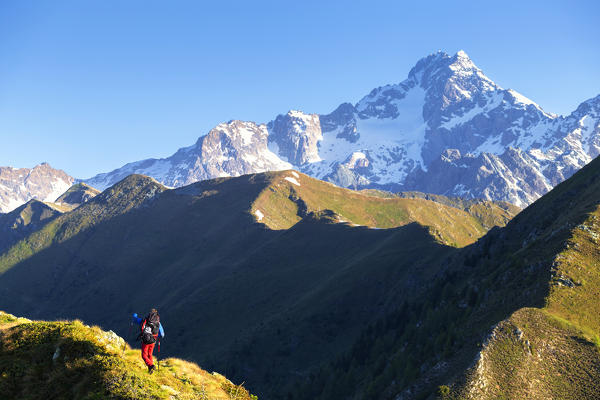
x,y
150,329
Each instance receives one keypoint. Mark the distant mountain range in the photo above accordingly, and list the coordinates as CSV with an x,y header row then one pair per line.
x,y
447,129
42,182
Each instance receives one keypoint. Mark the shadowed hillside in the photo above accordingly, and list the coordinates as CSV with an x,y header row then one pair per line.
x,y
260,304
33,215
511,316
28,218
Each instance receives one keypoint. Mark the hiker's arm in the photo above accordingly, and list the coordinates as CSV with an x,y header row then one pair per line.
x,y
161,330
135,319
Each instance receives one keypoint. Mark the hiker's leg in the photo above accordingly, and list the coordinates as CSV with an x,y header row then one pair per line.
x,y
147,353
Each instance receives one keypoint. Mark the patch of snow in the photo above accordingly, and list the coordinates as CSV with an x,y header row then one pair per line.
x,y
356,156
273,147
279,165
158,169
295,174
259,215
246,135
492,145
292,180
10,204
533,137
396,142
521,99
588,125
462,53
249,158
58,188
494,100
538,154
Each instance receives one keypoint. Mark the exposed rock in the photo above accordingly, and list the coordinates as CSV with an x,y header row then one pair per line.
x,y
42,182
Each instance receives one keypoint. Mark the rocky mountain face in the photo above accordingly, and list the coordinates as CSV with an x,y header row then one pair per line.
x,y
230,149
446,129
18,186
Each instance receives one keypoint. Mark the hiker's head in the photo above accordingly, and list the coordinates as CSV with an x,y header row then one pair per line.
x,y
153,311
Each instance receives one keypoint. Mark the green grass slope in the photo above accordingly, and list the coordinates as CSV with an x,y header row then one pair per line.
x,y
77,195
489,213
263,301
69,360
292,195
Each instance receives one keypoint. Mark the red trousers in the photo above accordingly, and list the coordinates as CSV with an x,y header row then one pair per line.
x,y
147,350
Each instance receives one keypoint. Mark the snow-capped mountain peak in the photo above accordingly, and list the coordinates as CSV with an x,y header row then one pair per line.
x,y
503,146
42,182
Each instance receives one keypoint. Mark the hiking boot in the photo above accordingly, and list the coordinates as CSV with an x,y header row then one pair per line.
x,y
150,369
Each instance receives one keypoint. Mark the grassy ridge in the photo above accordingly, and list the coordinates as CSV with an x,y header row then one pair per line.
x,y
534,354
292,195
67,359
77,195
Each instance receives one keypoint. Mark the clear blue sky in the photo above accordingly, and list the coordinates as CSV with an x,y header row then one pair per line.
x,y
91,85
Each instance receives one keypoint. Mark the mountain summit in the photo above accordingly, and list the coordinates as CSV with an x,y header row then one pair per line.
x,y
42,182
446,129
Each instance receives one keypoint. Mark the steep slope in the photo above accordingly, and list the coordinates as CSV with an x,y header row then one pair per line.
x,y
260,304
33,215
446,129
77,195
511,316
561,338
42,182
68,359
25,220
489,213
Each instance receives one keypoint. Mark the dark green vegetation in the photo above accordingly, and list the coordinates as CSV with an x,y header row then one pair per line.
x,y
69,360
512,316
24,220
265,302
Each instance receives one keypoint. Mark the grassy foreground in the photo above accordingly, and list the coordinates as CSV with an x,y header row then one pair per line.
x,y
67,359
